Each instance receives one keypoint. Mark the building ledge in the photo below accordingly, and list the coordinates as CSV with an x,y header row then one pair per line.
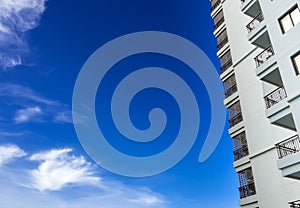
x,y
266,65
251,201
293,97
242,164
236,127
290,166
250,7
216,10
231,99
223,50
280,114
219,29
259,36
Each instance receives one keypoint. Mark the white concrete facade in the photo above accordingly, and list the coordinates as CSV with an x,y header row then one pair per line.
x,y
264,99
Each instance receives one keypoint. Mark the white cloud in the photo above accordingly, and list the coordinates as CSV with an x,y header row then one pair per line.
x,y
12,134
27,114
16,18
51,185
149,200
22,92
60,168
9,153
64,117
41,108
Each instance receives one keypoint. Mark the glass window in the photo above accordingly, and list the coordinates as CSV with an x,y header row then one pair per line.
x,y
230,86
290,20
295,14
286,23
225,58
296,62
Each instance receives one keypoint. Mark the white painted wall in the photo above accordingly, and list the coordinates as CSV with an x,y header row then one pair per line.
x,y
273,190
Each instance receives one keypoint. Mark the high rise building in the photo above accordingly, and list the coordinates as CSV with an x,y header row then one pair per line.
x,y
259,51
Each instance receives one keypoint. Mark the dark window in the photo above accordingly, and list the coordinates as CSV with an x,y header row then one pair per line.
x,y
240,146
222,39
226,61
235,114
247,186
219,19
230,86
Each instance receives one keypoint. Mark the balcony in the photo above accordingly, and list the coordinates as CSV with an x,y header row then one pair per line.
x,y
248,190
275,97
240,153
255,22
288,147
215,4
295,204
222,43
228,92
264,56
289,157
226,65
250,7
257,32
219,23
236,119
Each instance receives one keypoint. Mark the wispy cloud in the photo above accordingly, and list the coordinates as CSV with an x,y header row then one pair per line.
x,y
51,184
64,117
22,92
31,106
12,134
60,168
16,18
27,114
148,200
9,153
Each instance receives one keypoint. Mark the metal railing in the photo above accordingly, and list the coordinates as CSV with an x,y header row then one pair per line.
x,y
255,22
222,43
248,190
230,91
288,147
264,56
275,97
295,204
240,153
215,4
236,119
219,22
225,66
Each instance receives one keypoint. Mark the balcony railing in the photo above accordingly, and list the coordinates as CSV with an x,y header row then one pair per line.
x,y
295,204
219,23
236,119
230,90
255,22
222,43
215,4
240,153
264,56
225,66
248,190
275,97
288,147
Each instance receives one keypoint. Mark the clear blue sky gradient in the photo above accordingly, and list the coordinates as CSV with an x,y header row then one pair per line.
x,y
68,33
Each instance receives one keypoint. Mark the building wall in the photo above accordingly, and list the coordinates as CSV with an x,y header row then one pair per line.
x,y
272,189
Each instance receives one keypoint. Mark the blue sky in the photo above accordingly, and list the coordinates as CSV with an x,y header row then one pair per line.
x,y
43,45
